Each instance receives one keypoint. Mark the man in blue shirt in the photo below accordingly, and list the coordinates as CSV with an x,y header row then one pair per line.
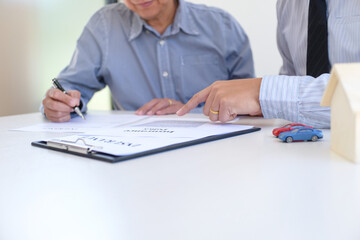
x,y
153,54
293,95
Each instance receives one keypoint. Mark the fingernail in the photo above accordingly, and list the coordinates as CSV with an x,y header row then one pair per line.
x,y
178,111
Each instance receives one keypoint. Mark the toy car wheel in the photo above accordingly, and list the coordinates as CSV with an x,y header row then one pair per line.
x,y
314,138
289,139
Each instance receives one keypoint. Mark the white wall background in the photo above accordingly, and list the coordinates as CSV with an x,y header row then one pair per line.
x,y
38,38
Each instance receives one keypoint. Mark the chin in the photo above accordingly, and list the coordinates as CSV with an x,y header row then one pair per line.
x,y
147,15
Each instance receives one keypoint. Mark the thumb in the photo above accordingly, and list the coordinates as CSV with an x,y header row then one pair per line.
x,y
74,94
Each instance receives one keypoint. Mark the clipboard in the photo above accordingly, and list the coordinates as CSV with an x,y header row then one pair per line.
x,y
90,151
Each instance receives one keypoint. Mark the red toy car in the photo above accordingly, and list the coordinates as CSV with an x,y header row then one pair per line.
x,y
287,127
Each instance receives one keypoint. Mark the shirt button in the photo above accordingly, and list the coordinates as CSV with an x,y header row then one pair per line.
x,y
162,42
165,74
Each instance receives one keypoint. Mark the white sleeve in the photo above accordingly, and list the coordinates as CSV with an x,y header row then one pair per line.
x,y
296,99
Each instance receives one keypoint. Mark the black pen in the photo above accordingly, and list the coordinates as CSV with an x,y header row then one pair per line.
x,y
57,85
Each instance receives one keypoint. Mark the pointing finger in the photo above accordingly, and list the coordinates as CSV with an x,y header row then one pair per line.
x,y
194,101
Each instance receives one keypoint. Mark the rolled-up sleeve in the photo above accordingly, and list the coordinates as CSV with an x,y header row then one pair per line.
x,y
296,99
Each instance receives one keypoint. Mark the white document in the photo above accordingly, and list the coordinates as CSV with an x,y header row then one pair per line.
x,y
145,134
116,145
78,125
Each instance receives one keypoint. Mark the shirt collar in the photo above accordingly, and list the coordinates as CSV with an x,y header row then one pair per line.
x,y
183,20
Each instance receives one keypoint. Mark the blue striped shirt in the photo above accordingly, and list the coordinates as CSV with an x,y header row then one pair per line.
x,y
119,49
292,95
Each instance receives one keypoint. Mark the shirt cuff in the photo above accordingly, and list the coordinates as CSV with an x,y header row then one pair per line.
x,y
279,97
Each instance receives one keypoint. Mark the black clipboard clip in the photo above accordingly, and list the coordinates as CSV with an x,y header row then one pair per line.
x,y
72,146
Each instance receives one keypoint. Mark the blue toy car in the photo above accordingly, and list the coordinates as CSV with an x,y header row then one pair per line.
x,y
301,134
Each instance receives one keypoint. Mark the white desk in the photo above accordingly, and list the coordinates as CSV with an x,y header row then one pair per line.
x,y
247,187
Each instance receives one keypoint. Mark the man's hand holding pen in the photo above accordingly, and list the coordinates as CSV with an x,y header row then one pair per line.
x,y
59,104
